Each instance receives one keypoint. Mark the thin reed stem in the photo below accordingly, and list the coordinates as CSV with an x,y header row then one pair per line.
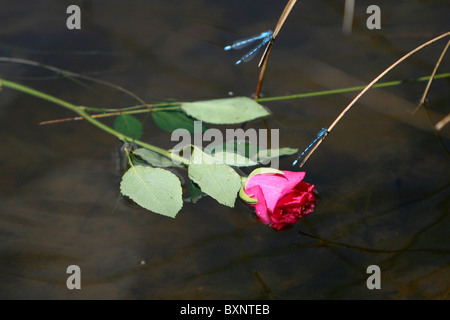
x,y
442,123
349,10
424,104
265,58
406,56
263,71
370,85
287,10
432,76
70,74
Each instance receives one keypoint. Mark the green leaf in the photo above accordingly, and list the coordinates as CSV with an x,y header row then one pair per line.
x,y
155,189
194,193
172,120
233,159
287,151
155,159
265,155
217,180
242,148
128,125
225,111
236,153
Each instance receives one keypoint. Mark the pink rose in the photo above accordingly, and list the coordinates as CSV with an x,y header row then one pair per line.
x,y
282,199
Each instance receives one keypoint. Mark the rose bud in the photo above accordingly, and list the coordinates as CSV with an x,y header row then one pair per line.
x,y
280,198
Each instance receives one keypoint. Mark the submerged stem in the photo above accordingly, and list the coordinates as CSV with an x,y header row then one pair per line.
x,y
69,74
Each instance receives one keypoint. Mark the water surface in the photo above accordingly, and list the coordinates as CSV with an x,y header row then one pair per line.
x,y
382,175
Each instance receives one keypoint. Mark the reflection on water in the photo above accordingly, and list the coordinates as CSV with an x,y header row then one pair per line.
x,y
382,175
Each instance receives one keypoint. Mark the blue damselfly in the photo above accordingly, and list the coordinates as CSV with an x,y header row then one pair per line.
x,y
305,154
264,38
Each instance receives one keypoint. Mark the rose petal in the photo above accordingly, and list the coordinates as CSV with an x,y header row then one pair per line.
x,y
255,192
294,179
275,186
271,185
304,187
293,207
283,198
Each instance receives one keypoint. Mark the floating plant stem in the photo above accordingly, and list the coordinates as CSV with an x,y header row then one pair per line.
x,y
350,89
81,111
164,106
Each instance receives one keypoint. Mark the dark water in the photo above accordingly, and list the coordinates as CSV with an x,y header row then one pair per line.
x,y
382,175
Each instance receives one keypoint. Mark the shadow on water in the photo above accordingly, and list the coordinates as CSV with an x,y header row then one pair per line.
x,y
382,176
